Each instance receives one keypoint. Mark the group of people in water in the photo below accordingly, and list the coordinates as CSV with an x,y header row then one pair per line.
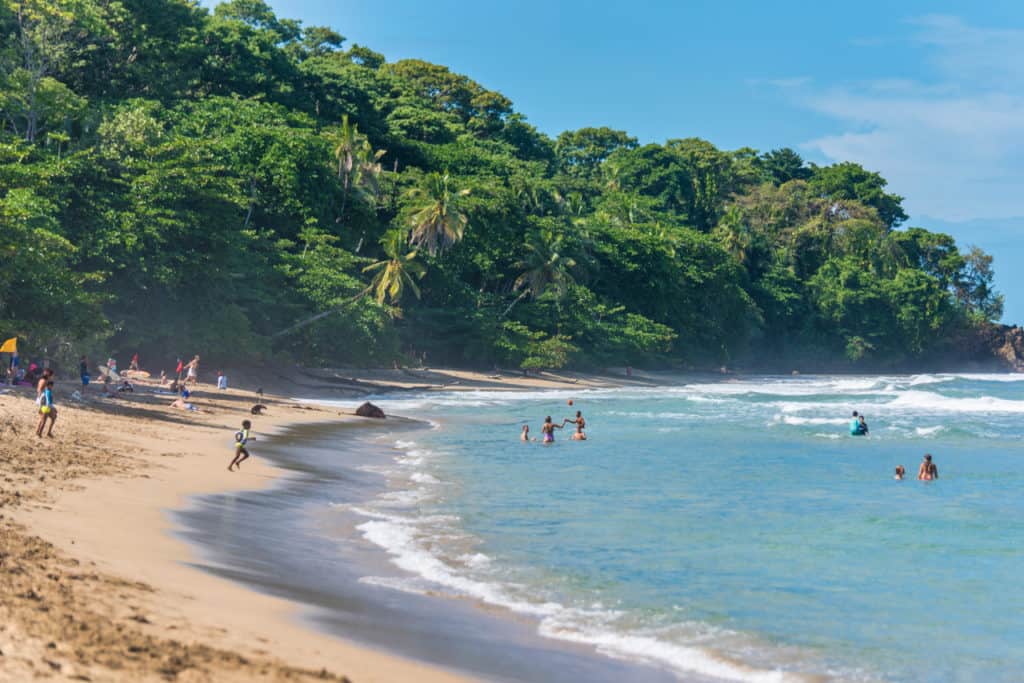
x,y
547,430
928,471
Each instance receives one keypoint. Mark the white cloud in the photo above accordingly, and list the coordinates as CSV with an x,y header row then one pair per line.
x,y
952,144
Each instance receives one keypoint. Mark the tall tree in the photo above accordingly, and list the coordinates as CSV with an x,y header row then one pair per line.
x,y
438,221
398,271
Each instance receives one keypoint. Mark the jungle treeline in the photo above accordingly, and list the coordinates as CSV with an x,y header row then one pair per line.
x,y
179,180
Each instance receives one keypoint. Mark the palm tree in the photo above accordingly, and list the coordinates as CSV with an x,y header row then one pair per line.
x,y
399,270
359,164
544,268
734,236
438,223
394,273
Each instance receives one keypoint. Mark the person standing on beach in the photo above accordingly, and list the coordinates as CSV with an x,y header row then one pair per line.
x,y
41,385
192,371
927,471
241,440
222,381
83,372
134,364
181,366
46,410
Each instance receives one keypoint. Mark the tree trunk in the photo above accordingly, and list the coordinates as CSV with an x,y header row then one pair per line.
x,y
319,316
513,304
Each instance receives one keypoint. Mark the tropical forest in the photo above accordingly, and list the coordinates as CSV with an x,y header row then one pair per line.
x,y
175,179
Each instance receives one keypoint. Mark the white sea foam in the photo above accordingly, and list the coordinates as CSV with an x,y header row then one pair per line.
x,y
795,420
985,377
918,380
475,560
404,497
398,583
400,541
832,436
567,626
400,538
931,402
424,478
928,431
799,387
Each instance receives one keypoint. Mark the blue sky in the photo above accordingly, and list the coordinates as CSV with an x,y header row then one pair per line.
x,y
930,94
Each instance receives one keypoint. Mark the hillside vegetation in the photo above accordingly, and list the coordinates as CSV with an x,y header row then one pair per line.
x,y
175,180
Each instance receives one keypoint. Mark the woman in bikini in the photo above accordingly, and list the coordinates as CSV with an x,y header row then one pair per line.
x,y
927,471
548,430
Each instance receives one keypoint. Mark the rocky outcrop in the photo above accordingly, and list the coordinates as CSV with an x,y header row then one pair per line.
x,y
1011,351
370,410
1000,347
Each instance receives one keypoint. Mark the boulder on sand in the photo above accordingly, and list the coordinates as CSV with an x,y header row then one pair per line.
x,y
370,410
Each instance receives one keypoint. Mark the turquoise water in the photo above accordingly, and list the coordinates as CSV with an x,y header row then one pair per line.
x,y
731,530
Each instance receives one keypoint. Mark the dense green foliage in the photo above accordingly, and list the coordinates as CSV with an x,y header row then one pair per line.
x,y
175,180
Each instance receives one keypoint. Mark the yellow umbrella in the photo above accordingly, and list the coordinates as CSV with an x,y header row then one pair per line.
x,y
10,346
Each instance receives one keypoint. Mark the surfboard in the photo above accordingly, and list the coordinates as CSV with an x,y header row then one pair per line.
x,y
107,372
135,374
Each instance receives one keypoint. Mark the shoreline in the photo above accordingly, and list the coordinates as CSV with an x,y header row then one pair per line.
x,y
114,522
315,554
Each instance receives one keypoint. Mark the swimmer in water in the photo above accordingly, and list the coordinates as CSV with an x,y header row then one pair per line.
x,y
900,473
862,425
525,436
927,471
580,423
548,430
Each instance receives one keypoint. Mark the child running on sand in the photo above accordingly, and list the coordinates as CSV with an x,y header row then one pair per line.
x,y
241,439
46,410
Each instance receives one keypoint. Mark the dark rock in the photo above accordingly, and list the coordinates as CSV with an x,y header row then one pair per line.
x,y
370,410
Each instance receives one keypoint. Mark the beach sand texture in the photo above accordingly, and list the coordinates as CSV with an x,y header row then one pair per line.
x,y
94,586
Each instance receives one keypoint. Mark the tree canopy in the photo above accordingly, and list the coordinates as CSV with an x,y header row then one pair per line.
x,y
174,179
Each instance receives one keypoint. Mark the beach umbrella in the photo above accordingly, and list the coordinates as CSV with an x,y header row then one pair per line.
x,y
10,346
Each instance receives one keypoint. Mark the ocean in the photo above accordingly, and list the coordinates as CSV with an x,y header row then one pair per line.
x,y
708,531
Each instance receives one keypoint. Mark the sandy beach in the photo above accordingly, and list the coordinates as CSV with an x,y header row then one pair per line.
x,y
96,586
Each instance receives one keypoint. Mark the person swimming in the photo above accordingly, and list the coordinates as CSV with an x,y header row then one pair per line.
x,y
858,425
548,430
525,435
927,471
580,423
900,473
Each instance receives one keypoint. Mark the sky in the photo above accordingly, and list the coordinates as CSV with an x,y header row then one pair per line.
x,y
929,94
